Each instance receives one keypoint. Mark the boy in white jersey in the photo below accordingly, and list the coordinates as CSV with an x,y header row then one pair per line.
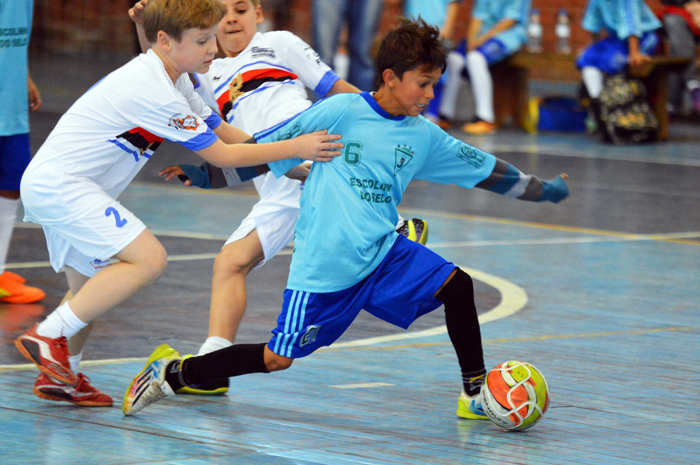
x,y
96,149
347,255
261,82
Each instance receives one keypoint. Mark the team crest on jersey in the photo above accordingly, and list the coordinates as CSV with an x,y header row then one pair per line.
x,y
138,142
402,157
471,156
183,122
235,88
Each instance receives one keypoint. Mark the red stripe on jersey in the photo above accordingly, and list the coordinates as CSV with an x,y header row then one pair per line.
x,y
146,135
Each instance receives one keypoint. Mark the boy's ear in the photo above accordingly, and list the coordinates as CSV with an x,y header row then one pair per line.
x,y
389,77
163,40
259,16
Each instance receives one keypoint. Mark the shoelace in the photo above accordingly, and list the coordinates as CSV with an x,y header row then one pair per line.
x,y
61,343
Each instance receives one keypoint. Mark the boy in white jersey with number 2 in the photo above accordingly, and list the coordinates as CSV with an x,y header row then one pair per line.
x,y
96,149
347,256
260,83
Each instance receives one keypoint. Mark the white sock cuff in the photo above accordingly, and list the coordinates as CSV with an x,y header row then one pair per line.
x,y
74,361
593,80
213,344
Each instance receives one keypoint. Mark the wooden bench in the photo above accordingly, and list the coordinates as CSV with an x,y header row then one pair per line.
x,y
510,80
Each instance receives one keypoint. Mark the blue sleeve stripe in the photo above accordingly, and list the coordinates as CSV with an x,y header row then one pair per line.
x,y
201,141
510,178
196,84
326,83
213,120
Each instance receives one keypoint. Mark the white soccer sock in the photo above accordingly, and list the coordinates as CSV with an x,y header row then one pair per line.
x,y
74,361
455,65
61,322
593,80
8,214
213,344
482,84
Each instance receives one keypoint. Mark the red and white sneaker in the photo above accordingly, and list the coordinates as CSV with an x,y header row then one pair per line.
x,y
49,355
83,394
14,291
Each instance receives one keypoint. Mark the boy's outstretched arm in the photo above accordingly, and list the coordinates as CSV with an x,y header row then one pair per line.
x,y
507,180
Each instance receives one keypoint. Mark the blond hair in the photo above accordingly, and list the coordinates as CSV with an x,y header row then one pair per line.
x,y
176,16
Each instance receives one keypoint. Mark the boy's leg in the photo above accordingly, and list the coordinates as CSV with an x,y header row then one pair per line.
x,y
143,260
228,294
462,320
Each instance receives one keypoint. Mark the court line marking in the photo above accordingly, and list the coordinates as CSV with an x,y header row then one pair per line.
x,y
360,385
117,361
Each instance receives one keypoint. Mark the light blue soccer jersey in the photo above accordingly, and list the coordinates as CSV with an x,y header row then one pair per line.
x,y
432,11
491,12
622,18
15,29
348,208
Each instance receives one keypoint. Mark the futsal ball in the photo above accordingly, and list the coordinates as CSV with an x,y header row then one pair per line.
x,y
515,395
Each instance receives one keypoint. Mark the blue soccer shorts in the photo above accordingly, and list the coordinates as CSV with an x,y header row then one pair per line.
x,y
610,54
399,291
15,156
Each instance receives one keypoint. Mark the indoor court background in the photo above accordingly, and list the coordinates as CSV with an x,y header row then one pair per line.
x,y
600,292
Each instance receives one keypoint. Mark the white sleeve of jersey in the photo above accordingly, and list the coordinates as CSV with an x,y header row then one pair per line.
x,y
186,88
302,59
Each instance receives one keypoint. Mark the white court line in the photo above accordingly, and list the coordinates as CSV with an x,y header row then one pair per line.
x,y
360,385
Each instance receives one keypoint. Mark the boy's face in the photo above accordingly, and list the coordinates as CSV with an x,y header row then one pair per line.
x,y
195,52
414,91
239,25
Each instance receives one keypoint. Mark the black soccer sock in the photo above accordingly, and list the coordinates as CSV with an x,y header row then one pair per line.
x,y
463,328
236,360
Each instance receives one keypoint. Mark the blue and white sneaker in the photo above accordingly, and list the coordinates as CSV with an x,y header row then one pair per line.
x,y
470,407
149,385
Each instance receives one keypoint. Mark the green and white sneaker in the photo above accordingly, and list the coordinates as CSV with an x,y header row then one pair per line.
x,y
149,385
214,387
470,407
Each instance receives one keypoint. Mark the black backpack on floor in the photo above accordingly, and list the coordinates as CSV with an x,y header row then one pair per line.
x,y
625,111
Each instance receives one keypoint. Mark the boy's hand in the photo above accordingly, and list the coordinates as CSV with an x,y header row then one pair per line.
x,y
300,173
318,146
555,190
136,12
175,170
636,60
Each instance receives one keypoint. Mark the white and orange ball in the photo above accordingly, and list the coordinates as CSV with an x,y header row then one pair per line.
x,y
515,395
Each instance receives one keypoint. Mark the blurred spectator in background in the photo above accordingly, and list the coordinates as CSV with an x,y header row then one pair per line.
x,y
18,94
622,34
362,18
681,20
497,30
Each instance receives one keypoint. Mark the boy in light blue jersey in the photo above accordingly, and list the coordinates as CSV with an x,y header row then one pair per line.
x,y
629,27
347,255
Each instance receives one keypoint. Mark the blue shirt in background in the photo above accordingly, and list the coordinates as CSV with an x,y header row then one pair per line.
x,y
491,12
621,18
15,29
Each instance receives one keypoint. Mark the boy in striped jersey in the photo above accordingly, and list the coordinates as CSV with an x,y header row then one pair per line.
x,y
347,255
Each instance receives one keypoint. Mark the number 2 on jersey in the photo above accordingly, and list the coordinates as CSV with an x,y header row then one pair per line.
x,y
117,217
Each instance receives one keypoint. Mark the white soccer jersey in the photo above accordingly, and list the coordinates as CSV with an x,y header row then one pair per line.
x,y
111,131
262,86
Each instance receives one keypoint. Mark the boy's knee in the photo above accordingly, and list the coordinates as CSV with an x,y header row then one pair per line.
x,y
234,260
274,362
157,263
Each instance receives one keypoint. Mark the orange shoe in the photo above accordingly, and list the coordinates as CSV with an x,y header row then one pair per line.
x,y
83,394
14,291
479,127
